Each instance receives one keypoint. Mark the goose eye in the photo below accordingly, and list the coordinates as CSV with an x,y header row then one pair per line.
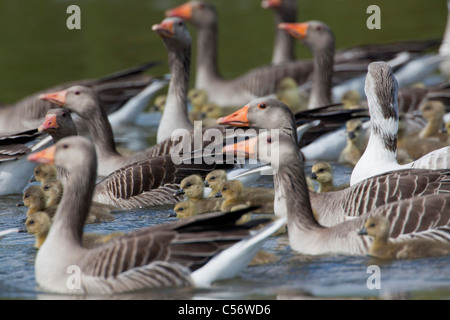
x,y
65,146
201,5
319,27
262,106
77,92
180,23
63,114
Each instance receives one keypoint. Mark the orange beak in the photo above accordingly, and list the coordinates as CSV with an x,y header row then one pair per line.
x,y
245,148
58,98
184,11
49,123
44,156
270,4
237,119
296,30
164,29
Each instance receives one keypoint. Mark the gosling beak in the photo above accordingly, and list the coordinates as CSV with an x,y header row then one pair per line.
x,y
362,232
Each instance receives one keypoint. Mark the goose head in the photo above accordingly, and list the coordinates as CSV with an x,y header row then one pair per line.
x,y
174,33
315,35
322,172
33,197
377,227
53,191
185,209
58,123
263,113
232,189
271,147
215,179
79,99
433,110
354,129
43,172
191,187
199,13
66,154
38,223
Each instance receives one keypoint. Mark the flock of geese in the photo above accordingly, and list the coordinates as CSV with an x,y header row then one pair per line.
x,y
396,204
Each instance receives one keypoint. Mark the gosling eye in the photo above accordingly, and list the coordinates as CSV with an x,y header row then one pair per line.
x,y
38,171
46,187
320,170
213,178
372,225
180,209
225,189
31,222
188,185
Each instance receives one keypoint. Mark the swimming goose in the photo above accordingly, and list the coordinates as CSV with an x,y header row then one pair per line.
x,y
34,198
193,188
167,254
381,151
417,217
84,102
338,206
217,178
379,227
177,40
236,196
44,172
39,223
15,171
322,173
53,190
319,38
231,92
114,91
355,142
433,111
284,45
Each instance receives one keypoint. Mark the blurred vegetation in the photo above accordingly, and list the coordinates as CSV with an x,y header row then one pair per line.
x,y
37,50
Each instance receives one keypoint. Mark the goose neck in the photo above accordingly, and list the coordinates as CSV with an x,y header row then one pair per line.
x,y
322,77
74,207
206,55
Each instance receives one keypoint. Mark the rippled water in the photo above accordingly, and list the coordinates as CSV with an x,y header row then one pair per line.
x,y
294,276
38,51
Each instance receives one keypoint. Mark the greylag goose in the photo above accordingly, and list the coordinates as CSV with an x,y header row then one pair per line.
x,y
15,171
217,178
417,217
114,91
230,92
34,198
319,38
322,173
53,191
44,172
268,113
167,254
380,154
177,40
84,102
284,46
193,188
235,196
379,227
356,142
39,223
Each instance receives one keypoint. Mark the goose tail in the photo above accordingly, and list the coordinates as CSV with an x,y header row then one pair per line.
x,y
230,262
